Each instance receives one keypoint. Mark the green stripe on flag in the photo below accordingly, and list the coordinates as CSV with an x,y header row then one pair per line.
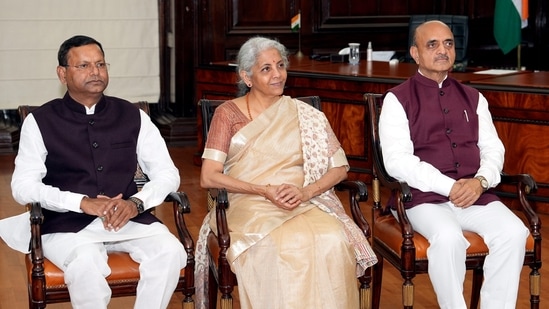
x,y
296,22
507,25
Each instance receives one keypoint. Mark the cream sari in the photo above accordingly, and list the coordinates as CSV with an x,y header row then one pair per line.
x,y
288,259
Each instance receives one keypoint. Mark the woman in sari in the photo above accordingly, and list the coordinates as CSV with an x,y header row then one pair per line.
x,y
292,245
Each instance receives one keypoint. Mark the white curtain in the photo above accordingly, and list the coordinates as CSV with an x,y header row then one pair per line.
x,y
31,32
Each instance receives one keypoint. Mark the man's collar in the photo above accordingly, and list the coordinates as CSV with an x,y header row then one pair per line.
x,y
439,84
82,109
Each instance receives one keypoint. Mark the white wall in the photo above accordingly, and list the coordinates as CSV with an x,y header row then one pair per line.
x,y
32,30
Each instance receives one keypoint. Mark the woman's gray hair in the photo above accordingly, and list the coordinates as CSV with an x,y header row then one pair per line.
x,y
247,57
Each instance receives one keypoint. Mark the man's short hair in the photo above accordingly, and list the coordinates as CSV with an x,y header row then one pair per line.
x,y
75,41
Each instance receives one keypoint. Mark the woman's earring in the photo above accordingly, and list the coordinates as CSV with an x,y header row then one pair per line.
x,y
249,85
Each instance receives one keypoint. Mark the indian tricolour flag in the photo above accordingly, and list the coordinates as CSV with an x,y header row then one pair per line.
x,y
296,22
510,16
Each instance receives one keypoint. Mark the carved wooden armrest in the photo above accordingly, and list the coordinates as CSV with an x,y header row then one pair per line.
x,y
358,192
181,206
221,203
525,185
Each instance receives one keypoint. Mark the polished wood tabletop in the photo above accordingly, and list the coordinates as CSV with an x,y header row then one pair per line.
x,y
374,71
384,70
528,81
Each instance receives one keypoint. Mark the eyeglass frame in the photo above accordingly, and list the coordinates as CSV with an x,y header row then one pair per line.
x,y
87,66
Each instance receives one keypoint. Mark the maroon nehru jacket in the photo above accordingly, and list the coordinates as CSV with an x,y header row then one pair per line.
x,y
444,129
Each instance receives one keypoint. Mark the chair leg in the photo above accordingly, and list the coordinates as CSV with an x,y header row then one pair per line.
x,y
188,305
37,288
478,276
535,286
226,285
365,297
212,289
226,290
408,294
226,302
35,305
377,276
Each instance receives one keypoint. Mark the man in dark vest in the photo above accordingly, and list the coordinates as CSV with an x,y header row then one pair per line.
x,y
437,135
77,157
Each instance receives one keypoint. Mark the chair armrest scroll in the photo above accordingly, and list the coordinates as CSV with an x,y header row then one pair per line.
x,y
36,219
36,252
525,180
181,200
36,216
221,201
220,197
402,194
181,206
357,189
525,185
358,192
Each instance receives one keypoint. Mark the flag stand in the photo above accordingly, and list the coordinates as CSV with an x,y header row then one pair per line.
x,y
296,24
299,54
519,67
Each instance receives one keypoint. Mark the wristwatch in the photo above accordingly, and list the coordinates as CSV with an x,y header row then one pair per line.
x,y
483,182
138,204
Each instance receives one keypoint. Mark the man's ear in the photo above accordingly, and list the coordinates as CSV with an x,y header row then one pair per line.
x,y
414,53
61,74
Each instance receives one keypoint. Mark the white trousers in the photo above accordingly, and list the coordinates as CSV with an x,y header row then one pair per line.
x,y
160,256
504,234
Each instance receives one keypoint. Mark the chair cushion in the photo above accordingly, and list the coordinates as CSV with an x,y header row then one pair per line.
x,y
387,230
123,270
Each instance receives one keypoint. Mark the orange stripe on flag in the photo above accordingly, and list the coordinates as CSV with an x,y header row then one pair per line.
x,y
524,13
295,25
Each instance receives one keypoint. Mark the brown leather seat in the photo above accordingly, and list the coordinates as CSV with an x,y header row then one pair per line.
x,y
46,281
395,241
387,230
124,270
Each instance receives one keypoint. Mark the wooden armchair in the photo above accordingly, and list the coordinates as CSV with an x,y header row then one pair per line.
x,y
396,242
46,282
220,274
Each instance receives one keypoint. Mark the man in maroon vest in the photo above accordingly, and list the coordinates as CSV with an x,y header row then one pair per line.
x,y
437,135
77,157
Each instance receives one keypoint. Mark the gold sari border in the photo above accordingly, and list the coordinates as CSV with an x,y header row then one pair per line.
x,y
214,154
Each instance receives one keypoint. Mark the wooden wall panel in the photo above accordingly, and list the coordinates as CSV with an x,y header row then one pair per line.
x,y
349,8
244,15
328,25
522,120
